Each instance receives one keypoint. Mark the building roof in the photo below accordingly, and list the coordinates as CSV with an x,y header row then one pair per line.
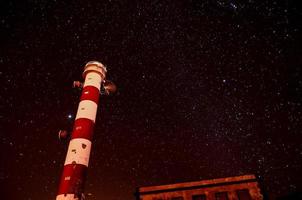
x,y
197,184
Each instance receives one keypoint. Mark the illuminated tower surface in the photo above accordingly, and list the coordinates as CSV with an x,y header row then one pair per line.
x,y
77,159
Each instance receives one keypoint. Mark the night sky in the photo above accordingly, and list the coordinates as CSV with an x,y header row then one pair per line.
x,y
206,89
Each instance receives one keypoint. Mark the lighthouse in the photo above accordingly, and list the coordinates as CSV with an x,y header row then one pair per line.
x,y
72,181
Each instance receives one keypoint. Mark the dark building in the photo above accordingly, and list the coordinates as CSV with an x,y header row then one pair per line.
x,y
232,188
292,196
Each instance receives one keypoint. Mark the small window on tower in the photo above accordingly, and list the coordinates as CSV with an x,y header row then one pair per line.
x,y
199,197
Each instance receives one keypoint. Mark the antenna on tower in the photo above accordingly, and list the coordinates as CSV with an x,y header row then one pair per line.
x,y
108,88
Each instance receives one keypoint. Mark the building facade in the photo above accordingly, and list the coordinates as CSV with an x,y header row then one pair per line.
x,y
232,188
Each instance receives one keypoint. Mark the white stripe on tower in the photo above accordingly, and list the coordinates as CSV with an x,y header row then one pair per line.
x,y
77,158
93,79
78,152
87,109
66,197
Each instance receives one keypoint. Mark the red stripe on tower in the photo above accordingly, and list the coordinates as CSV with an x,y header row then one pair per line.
x,y
77,158
72,177
83,128
90,93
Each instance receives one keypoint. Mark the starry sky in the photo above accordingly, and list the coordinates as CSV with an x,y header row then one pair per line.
x,y
206,89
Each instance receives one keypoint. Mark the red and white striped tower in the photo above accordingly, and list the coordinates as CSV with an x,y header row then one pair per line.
x,y
77,158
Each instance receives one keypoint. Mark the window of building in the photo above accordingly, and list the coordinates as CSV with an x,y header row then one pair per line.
x,y
177,198
199,197
243,194
221,196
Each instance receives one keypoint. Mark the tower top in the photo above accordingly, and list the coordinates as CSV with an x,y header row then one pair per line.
x,y
95,66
